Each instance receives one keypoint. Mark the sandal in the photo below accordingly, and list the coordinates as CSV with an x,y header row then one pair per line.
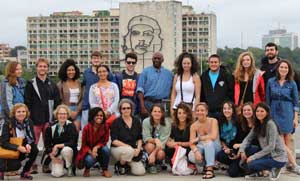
x,y
209,174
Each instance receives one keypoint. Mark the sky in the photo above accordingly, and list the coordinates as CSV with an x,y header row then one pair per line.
x,y
240,23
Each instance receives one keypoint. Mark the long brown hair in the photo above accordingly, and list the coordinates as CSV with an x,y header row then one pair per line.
x,y
290,75
10,72
243,121
162,119
187,110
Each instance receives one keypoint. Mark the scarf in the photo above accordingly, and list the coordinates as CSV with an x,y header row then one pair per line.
x,y
228,132
25,126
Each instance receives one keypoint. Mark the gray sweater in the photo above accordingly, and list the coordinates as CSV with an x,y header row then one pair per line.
x,y
271,144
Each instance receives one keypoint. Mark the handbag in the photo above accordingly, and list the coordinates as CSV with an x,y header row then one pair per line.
x,y
11,154
238,108
179,161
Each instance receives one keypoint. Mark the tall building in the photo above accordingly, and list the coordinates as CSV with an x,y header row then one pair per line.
x,y
142,27
64,35
282,38
199,32
5,50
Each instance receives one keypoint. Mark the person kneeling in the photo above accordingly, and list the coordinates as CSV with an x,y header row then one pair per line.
x,y
272,155
19,126
61,142
156,132
126,140
93,147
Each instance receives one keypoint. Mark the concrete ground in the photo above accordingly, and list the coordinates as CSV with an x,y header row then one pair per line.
x,y
163,176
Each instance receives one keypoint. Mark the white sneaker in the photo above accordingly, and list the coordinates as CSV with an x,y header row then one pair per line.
x,y
275,173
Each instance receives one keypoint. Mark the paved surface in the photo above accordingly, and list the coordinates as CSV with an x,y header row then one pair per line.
x,y
163,176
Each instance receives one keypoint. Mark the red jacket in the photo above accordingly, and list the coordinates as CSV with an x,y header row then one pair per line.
x,y
258,88
90,139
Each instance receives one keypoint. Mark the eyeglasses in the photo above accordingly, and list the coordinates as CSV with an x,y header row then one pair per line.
x,y
124,108
129,62
62,113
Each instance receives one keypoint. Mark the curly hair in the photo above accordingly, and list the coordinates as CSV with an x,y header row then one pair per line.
x,y
93,113
10,72
195,65
189,115
62,73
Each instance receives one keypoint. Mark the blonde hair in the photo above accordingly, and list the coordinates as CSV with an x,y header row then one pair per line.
x,y
239,72
41,60
62,106
16,107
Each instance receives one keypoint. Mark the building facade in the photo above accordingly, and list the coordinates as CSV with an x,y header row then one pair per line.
x,y
5,50
282,38
64,35
142,27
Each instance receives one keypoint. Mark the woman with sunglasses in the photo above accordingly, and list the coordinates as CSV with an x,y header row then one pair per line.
x,y
126,141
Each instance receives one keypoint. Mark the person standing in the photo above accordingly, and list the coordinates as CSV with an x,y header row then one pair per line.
x,y
154,84
70,89
12,88
282,96
90,77
217,85
249,83
42,97
127,80
186,83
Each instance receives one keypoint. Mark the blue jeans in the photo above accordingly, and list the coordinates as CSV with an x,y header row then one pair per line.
x,y
209,151
264,163
74,108
234,169
102,158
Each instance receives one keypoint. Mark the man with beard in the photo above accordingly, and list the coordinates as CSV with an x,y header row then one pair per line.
x,y
154,84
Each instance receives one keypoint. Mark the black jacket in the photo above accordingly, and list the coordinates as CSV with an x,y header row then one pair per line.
x,y
214,97
68,137
39,106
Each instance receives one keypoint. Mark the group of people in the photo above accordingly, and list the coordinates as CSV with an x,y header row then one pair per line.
x,y
244,119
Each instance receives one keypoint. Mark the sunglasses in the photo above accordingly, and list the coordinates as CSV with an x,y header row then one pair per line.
x,y
129,62
124,108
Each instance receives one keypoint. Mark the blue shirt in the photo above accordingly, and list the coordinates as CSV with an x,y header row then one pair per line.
x,y
283,101
213,77
155,83
90,78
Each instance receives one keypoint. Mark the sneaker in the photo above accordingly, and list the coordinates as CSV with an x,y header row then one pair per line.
x,y
275,173
34,169
252,176
26,176
46,169
121,169
152,169
70,172
295,169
